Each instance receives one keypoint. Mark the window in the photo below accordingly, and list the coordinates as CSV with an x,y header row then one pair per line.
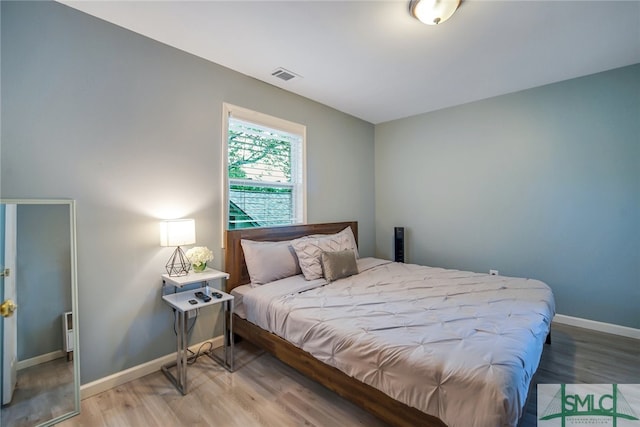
x,y
265,170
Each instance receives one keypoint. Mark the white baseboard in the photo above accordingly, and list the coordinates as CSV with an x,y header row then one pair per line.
x,y
594,325
40,359
122,377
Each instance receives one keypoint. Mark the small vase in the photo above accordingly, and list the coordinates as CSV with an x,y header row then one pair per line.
x,y
199,268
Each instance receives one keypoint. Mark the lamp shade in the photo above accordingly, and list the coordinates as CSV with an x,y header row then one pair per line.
x,y
177,232
433,12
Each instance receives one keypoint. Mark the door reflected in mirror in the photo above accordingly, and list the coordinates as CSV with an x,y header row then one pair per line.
x,y
40,361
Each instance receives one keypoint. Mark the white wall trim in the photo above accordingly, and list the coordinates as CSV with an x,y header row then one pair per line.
x,y
594,325
135,372
43,358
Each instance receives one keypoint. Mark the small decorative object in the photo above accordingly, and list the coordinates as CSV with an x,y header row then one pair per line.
x,y
199,256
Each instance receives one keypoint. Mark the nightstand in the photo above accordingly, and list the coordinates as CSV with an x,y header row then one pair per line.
x,y
179,301
178,282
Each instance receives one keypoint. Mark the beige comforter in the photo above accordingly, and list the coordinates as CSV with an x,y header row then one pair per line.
x,y
458,345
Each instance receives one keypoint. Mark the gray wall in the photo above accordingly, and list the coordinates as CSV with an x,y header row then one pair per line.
x,y
543,183
43,275
125,126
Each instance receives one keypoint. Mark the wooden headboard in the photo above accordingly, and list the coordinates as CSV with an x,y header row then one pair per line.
x,y
234,263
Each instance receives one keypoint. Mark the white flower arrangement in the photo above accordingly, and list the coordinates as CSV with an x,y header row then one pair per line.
x,y
199,255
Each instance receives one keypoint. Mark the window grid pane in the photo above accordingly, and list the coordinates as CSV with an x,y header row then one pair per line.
x,y
264,175
267,206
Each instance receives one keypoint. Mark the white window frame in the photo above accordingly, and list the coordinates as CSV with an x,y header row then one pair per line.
x,y
300,187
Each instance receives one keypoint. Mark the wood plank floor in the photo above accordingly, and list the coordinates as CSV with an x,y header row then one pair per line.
x,y
264,392
43,392
581,356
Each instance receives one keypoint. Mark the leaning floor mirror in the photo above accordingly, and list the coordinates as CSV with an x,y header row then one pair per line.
x,y
39,333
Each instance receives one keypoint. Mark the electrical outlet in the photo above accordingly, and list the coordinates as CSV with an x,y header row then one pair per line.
x,y
192,313
493,272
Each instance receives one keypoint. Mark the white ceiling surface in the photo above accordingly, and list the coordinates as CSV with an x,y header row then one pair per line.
x,y
373,60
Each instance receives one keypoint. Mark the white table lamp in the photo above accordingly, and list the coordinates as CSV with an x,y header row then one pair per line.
x,y
178,232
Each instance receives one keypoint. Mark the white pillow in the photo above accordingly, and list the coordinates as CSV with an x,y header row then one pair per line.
x,y
269,261
309,250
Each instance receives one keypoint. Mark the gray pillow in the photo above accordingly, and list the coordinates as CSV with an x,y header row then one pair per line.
x,y
336,265
269,261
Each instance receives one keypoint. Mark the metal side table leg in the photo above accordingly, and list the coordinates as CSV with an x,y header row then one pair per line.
x,y
179,380
226,361
230,334
183,353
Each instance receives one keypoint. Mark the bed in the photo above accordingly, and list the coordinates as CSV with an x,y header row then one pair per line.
x,y
413,345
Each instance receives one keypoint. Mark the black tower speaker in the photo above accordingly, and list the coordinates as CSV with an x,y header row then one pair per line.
x,y
398,244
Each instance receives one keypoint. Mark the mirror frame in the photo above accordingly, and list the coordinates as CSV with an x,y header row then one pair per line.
x,y
74,297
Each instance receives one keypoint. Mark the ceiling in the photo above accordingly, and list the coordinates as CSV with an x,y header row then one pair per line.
x,y
373,60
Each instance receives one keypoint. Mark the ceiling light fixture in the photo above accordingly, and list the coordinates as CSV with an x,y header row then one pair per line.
x,y
433,12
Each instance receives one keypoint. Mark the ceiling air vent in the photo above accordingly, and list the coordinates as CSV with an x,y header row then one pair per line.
x,y
283,74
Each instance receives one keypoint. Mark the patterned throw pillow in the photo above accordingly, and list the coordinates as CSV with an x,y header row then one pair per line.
x,y
309,250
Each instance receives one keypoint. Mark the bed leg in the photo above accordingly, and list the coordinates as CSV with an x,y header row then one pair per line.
x,y
548,340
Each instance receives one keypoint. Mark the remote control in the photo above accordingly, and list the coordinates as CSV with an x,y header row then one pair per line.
x,y
216,295
193,302
203,297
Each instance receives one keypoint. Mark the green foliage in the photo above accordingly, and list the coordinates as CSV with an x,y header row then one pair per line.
x,y
267,154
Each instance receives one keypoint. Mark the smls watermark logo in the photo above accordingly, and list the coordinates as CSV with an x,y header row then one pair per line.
x,y
592,405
